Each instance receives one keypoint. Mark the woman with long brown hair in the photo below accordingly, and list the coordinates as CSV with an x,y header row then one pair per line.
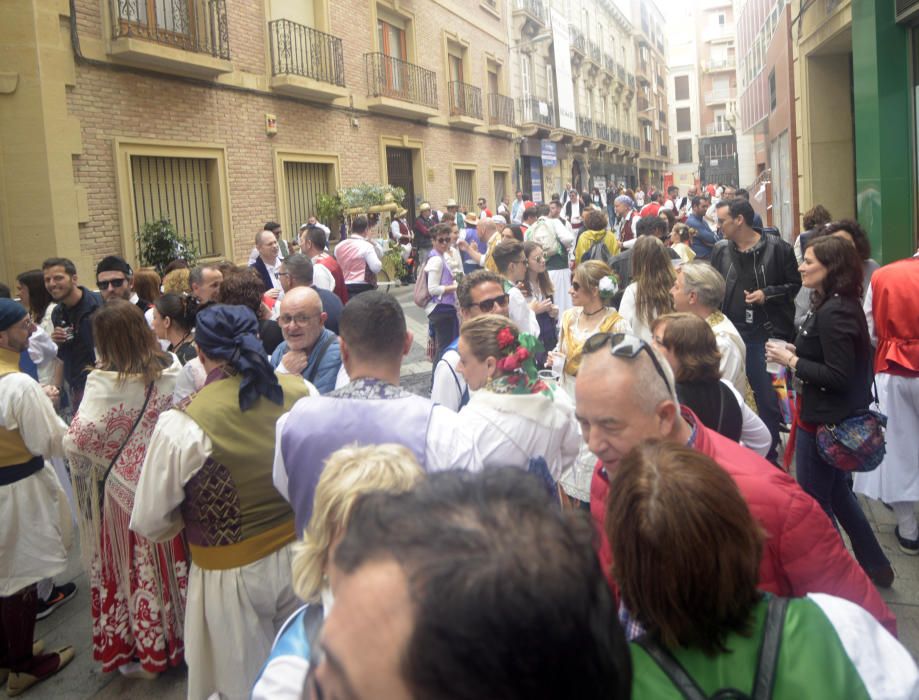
x,y
648,295
832,358
538,291
137,587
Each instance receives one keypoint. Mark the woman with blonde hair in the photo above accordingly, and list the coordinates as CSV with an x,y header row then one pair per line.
x,y
680,238
686,556
593,286
349,473
514,418
138,588
176,282
648,295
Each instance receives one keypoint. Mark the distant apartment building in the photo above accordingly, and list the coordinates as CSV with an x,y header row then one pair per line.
x,y
684,99
652,105
574,86
766,109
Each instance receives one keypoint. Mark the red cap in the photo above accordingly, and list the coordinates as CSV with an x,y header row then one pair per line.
x,y
528,204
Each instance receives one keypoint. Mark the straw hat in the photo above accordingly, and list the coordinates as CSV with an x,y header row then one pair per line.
x,y
471,220
451,203
424,207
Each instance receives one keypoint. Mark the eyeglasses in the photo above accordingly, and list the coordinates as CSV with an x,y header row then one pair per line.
x,y
441,240
116,284
486,305
299,319
628,347
283,274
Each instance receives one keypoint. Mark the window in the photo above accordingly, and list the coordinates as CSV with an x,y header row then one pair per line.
x,y
683,119
500,178
681,87
550,83
392,45
525,77
183,190
772,96
721,20
684,150
304,183
465,188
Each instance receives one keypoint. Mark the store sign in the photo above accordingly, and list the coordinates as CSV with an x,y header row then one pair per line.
x,y
600,183
549,152
564,86
535,180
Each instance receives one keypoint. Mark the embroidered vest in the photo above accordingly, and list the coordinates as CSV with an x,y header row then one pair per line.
x,y
233,513
13,450
318,427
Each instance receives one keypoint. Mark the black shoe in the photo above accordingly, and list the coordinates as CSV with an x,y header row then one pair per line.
x,y
883,577
910,547
59,596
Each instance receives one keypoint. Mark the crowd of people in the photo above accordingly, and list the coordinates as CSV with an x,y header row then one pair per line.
x,y
595,501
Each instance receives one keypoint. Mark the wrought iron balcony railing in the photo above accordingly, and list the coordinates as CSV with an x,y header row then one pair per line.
x,y
585,126
535,110
662,115
578,42
609,63
620,73
594,52
401,80
663,150
191,25
631,82
465,100
534,8
500,110
603,132
615,136
300,50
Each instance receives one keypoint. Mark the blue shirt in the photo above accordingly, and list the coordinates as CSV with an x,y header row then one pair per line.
x,y
704,240
324,375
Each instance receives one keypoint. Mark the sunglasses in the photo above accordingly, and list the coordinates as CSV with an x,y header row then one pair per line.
x,y
441,240
116,284
486,305
628,347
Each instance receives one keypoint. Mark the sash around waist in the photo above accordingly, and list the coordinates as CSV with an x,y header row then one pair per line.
x,y
232,556
17,472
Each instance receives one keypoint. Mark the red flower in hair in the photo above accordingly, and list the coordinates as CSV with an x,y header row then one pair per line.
x,y
505,337
509,363
522,354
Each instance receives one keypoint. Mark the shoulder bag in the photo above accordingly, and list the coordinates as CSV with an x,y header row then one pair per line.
x,y
101,483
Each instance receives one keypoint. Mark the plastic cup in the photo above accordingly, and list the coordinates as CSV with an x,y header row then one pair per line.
x,y
774,367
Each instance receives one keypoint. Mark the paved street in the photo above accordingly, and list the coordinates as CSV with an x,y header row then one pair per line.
x,y
71,623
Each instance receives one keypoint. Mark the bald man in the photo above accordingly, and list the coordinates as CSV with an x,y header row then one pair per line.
x,y
309,348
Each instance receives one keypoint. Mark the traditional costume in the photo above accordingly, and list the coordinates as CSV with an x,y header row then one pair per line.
x,y
365,412
137,587
208,470
35,517
576,481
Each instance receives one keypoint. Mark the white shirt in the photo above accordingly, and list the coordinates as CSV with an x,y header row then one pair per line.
x,y
273,272
322,277
753,432
629,311
521,313
733,353
448,385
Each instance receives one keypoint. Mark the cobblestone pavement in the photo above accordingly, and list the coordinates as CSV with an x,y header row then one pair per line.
x,y
71,623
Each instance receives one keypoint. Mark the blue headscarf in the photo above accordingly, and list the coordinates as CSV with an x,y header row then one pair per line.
x,y
624,199
230,333
10,312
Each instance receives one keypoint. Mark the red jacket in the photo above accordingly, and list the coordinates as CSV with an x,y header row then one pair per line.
x,y
330,263
895,307
803,552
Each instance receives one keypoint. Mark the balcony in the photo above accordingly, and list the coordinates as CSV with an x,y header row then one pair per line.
x,y
594,52
646,147
662,116
603,132
631,82
718,129
717,65
718,33
620,73
306,62
615,136
578,42
643,73
586,127
536,115
501,114
643,104
609,64
717,97
465,104
399,88
185,37
529,16
664,151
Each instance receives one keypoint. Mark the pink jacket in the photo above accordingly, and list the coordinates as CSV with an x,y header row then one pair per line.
x,y
803,552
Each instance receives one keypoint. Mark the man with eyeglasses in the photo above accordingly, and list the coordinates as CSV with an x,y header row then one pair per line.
x,y
479,293
625,394
72,319
309,348
115,280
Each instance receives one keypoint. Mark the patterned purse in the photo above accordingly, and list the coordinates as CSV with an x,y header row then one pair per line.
x,y
856,444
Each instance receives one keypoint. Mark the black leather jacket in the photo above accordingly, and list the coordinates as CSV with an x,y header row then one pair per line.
x,y
777,275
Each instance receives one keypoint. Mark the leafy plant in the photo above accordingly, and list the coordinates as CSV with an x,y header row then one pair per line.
x,y
329,209
159,243
367,195
393,263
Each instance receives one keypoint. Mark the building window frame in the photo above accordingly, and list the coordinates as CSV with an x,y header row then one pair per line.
x,y
455,168
282,156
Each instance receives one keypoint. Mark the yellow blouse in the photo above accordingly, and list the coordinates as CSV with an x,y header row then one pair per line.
x,y
571,342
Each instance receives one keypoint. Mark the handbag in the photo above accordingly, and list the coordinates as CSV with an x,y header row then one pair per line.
x,y
856,444
101,483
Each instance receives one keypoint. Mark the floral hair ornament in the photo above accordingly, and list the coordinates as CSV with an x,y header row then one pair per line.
x,y
609,285
517,364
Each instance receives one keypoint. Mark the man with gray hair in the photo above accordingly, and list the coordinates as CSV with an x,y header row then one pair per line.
x,y
204,281
699,290
625,395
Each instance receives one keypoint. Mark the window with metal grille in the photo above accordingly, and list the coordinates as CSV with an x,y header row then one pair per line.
x,y
500,187
304,182
183,190
684,147
465,188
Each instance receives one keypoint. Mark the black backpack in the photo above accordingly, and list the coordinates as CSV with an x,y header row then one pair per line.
x,y
598,251
765,667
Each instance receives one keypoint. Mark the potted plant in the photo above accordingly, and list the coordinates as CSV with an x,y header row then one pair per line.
x,y
158,244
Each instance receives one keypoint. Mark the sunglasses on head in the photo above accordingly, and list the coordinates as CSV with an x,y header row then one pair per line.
x,y
486,305
628,347
116,284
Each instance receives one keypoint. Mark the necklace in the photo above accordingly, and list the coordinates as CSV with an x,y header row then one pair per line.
x,y
592,313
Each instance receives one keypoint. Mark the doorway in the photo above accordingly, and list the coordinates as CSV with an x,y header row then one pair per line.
x,y
399,170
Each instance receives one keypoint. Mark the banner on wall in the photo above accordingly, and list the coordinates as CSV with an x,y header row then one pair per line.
x,y
536,180
564,86
549,153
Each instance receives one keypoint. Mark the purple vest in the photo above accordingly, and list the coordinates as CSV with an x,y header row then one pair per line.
x,y
446,277
323,424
